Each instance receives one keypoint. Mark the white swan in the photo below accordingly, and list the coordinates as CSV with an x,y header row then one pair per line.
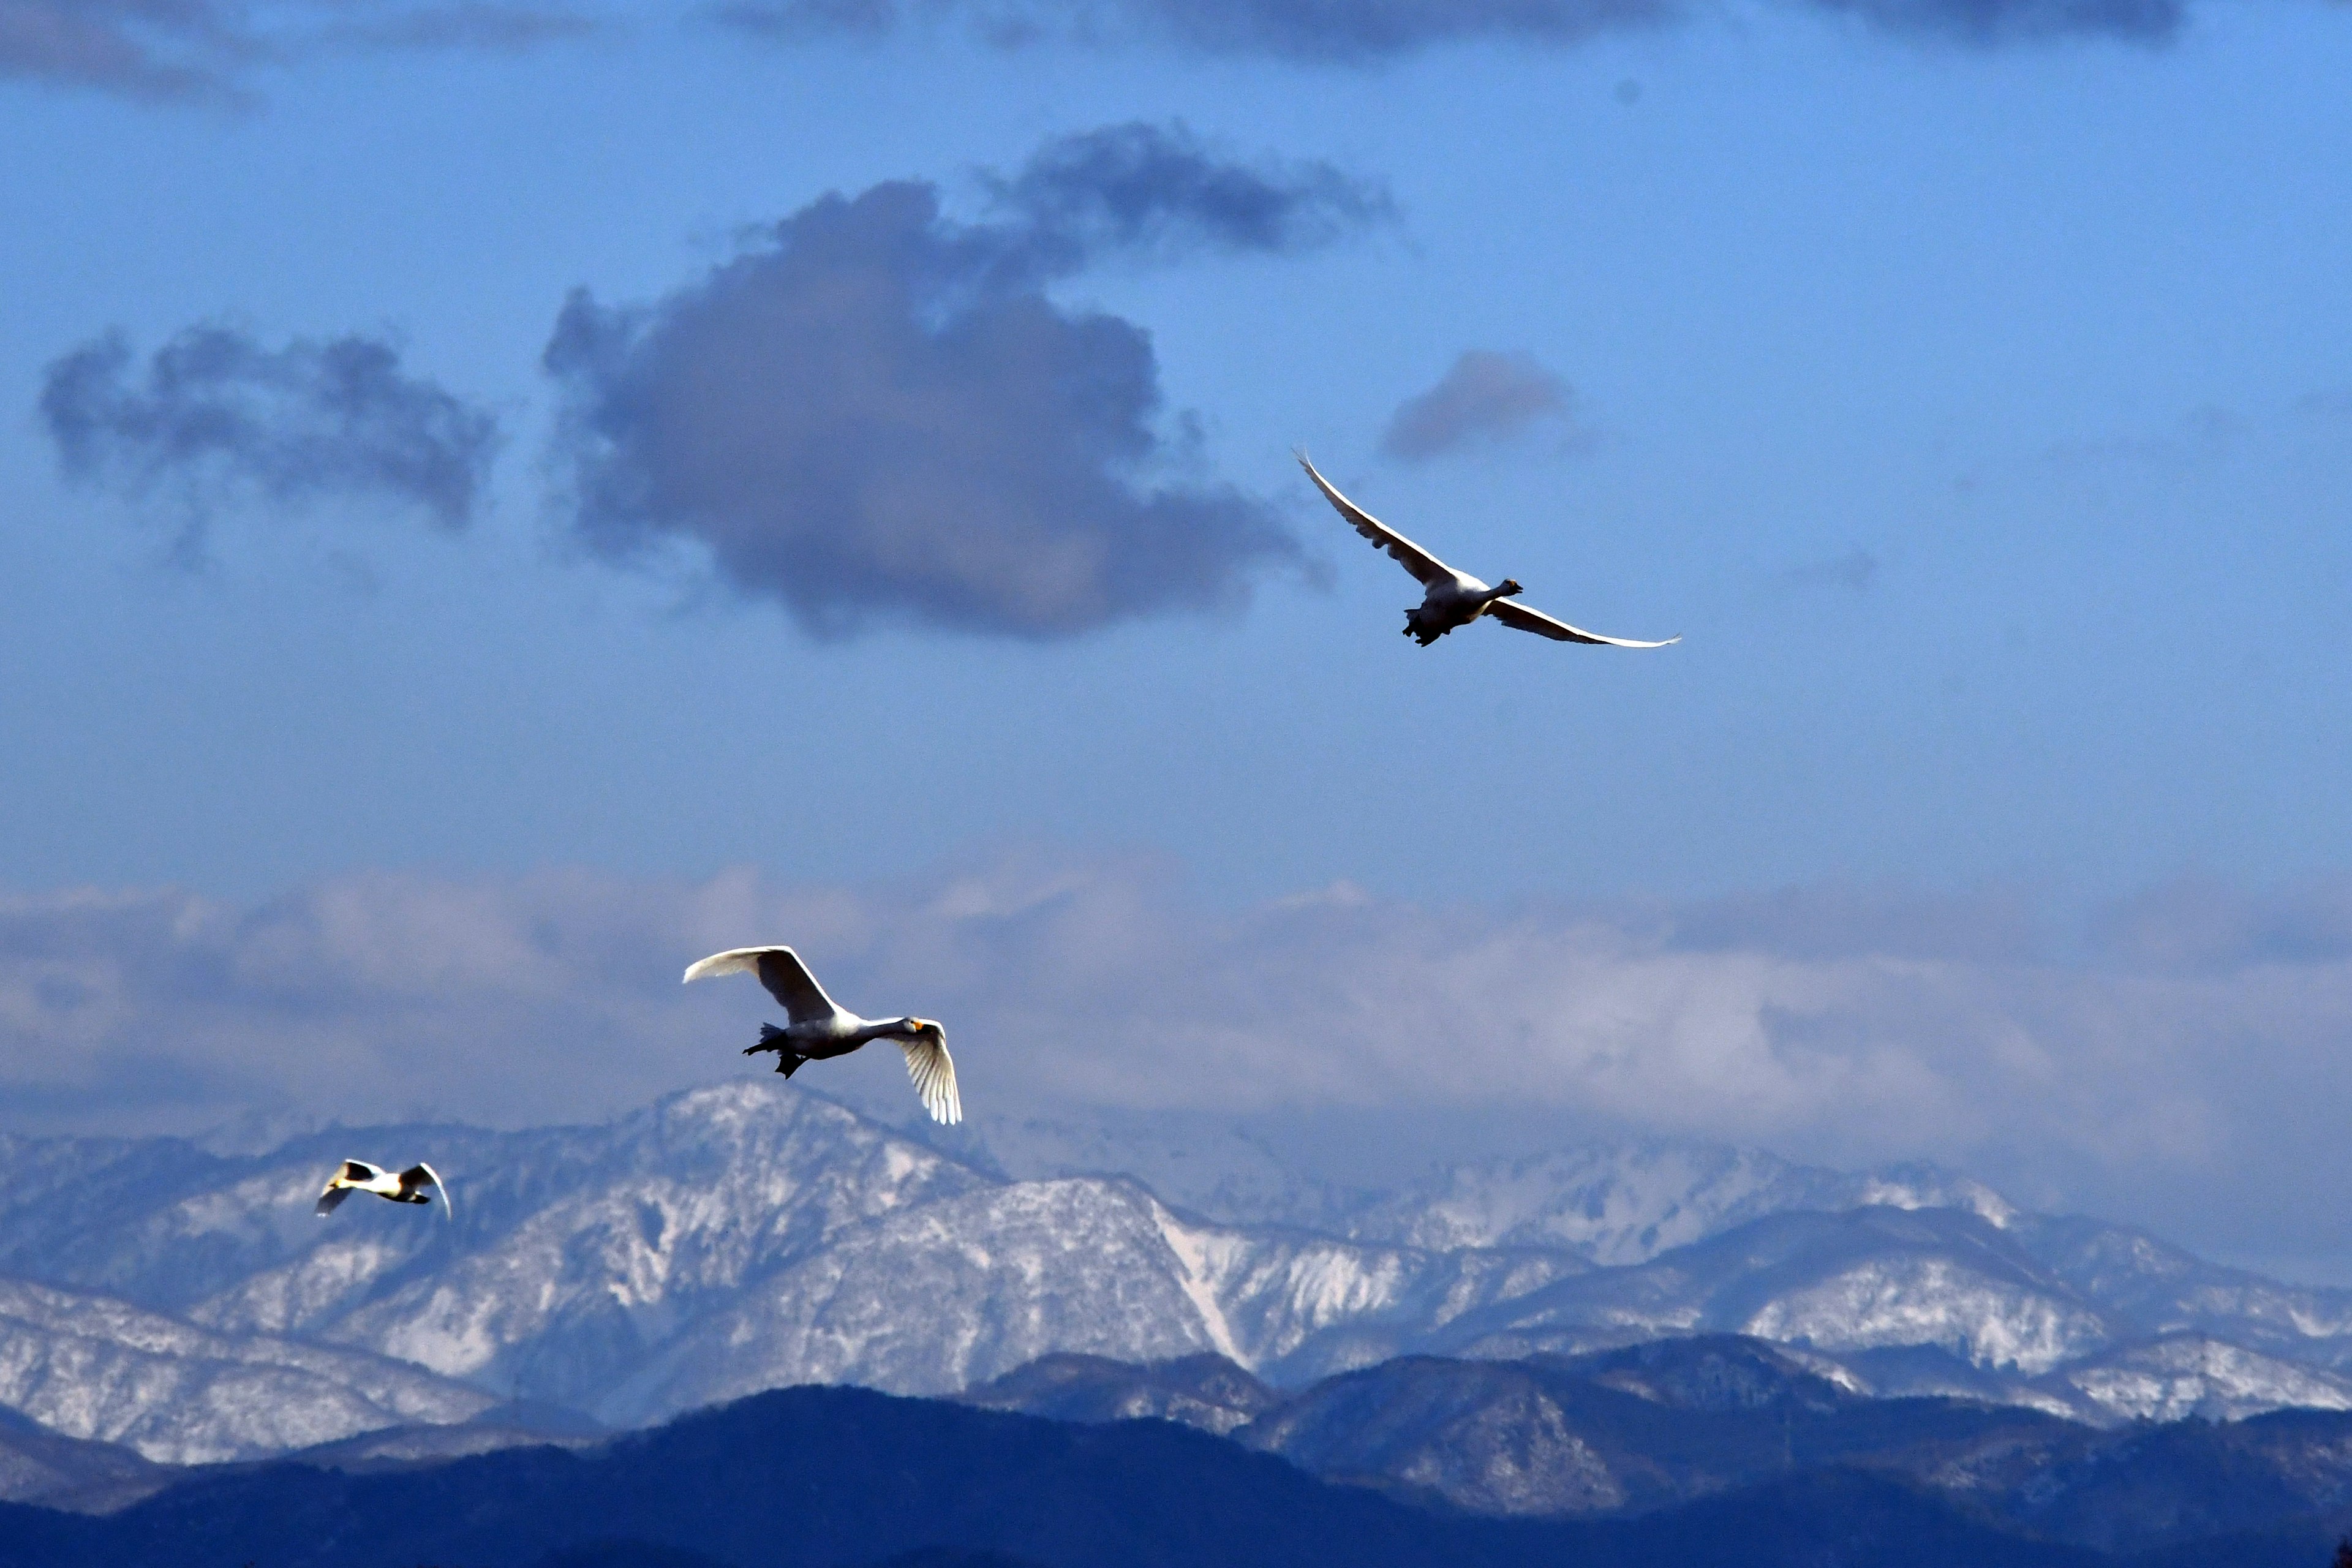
x,y
1454,598
358,1176
817,1028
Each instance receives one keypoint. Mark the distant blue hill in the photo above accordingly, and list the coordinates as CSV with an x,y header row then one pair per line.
x,y
840,1478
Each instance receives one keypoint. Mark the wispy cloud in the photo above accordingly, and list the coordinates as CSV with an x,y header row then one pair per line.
x,y
210,49
2201,436
217,416
1483,396
1318,30
877,413
1362,31
1855,570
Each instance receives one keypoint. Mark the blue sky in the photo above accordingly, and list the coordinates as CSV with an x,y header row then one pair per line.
x,y
1981,414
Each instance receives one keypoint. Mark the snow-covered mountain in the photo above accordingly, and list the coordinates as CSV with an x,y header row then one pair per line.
x,y
1610,1203
752,1234
90,1367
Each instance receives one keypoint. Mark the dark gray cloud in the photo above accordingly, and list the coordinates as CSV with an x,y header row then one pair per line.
x,y
1486,397
877,413
209,49
1156,191
218,417
1365,30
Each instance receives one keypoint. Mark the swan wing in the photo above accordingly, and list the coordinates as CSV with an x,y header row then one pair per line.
x,y
780,969
1526,620
1425,568
933,1070
332,1199
421,1174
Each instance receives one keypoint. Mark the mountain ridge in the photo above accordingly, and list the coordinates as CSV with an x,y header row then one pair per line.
x,y
753,1235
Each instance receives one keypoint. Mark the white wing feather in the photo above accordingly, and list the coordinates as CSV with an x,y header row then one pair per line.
x,y
933,1070
734,961
344,1183
780,971
449,1206
1526,620
1426,569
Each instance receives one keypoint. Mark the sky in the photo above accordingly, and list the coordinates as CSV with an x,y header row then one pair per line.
x,y
500,499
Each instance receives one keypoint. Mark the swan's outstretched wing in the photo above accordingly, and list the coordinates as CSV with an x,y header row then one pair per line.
x,y
1425,568
780,969
348,1175
1543,626
933,1070
422,1175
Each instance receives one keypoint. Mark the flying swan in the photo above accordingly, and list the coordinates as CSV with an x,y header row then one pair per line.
x,y
1454,598
818,1029
358,1176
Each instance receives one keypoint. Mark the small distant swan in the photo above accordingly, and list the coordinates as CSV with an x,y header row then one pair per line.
x,y
818,1029
358,1176
1454,598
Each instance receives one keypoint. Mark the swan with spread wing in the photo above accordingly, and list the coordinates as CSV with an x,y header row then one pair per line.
x,y
401,1187
1452,598
817,1027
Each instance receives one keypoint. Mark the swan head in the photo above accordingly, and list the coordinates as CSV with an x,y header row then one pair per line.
x,y
912,1028
1508,586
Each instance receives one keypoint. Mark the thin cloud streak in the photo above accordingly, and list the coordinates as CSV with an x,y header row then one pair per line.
x,y
209,50
1362,32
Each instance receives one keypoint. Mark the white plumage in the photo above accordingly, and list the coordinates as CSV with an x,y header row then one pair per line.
x,y
403,1187
1452,598
818,1028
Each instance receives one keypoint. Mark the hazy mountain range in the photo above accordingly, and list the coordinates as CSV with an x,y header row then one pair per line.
x,y
1705,1453
186,1303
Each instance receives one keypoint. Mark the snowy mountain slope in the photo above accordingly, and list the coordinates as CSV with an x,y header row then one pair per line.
x,y
94,1368
753,1233
962,1291
1215,1166
1611,1204
1207,1392
686,1205
2151,1288
1626,1204
2189,1374
1857,1280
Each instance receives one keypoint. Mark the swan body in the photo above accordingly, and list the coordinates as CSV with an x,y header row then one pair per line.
x,y
401,1188
1452,598
817,1027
